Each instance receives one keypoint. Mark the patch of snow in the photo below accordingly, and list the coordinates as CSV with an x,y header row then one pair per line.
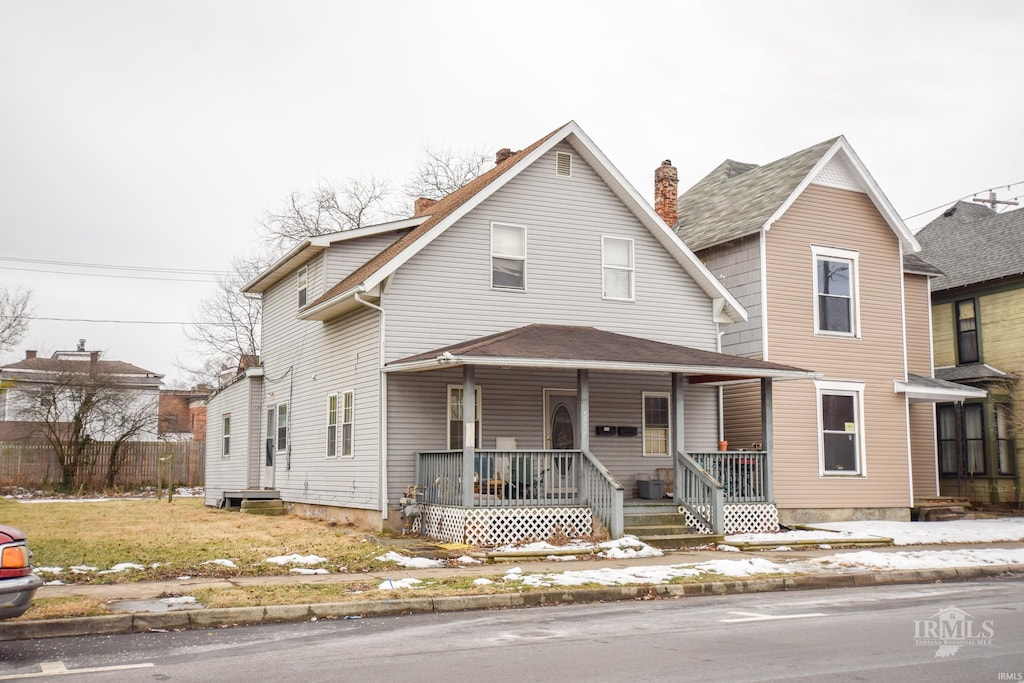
x,y
466,559
55,582
48,570
306,570
482,582
727,548
561,558
123,567
921,533
296,559
409,562
783,548
627,547
185,577
389,584
82,569
223,563
180,600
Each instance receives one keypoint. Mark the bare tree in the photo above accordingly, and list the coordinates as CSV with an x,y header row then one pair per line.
x,y
443,171
77,406
328,208
226,325
15,310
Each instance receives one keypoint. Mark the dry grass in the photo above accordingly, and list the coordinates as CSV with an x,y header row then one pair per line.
x,y
179,537
62,608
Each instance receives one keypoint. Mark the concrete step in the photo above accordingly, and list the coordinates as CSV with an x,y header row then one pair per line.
x,y
634,519
945,513
646,530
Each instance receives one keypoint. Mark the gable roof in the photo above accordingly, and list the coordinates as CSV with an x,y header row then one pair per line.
x,y
568,346
738,199
343,295
972,243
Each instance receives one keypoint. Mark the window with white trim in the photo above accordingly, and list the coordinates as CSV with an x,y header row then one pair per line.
x,y
617,268
456,428
347,411
332,426
301,282
508,256
282,426
840,436
836,304
655,424
226,435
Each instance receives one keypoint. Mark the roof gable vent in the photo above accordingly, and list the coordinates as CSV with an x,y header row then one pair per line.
x,y
563,163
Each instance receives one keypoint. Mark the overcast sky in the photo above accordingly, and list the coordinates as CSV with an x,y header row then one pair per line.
x,y
156,134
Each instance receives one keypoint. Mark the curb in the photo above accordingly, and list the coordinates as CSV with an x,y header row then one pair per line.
x,y
142,622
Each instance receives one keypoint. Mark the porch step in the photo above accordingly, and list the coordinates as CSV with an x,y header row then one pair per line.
x,y
661,525
939,509
270,508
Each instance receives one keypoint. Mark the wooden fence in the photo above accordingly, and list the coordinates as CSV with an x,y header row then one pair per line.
x,y
33,464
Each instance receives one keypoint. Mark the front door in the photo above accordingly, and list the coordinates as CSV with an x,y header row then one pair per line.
x,y
560,410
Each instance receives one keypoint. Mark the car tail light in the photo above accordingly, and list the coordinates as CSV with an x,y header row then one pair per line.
x,y
14,561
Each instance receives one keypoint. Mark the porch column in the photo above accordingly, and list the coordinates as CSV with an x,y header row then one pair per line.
x,y
677,434
468,432
767,435
583,404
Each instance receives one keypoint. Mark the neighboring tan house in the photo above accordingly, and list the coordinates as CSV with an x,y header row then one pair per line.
x,y
825,267
21,382
978,326
519,358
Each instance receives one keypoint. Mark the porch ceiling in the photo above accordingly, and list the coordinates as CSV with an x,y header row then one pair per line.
x,y
571,347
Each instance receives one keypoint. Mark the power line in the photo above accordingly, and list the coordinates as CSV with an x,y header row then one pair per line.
x,y
197,271
120,277
973,194
121,322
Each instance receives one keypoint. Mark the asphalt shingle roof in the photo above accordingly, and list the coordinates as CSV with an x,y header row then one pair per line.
x,y
737,199
971,243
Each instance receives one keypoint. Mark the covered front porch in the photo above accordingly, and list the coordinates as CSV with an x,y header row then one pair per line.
x,y
577,455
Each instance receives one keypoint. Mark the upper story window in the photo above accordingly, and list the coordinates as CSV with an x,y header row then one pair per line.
x,y
836,307
508,256
301,281
617,268
966,332
839,419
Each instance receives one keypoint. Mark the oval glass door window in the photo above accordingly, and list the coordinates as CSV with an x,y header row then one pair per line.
x,y
563,436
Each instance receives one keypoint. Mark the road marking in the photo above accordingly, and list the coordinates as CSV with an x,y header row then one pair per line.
x,y
58,669
754,616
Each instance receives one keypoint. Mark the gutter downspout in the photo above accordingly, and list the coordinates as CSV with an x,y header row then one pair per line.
x,y
382,392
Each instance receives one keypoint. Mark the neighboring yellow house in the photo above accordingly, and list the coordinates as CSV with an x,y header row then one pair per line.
x,y
825,267
978,328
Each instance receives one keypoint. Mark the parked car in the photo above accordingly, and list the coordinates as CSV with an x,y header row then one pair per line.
x,y
17,582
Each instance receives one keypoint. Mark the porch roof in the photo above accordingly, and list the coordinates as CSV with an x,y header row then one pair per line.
x,y
931,390
564,346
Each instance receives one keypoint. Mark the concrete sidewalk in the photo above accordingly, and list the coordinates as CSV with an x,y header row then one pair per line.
x,y
385,603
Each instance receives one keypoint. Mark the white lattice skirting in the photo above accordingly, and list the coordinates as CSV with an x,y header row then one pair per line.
x,y
491,527
742,518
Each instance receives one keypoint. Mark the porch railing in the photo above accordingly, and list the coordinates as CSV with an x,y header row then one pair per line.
x,y
743,474
521,478
699,492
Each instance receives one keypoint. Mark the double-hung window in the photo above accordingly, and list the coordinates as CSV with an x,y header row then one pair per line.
x,y
301,282
841,443
617,268
966,332
282,426
974,437
226,435
836,305
346,423
332,426
1004,439
508,256
456,425
655,424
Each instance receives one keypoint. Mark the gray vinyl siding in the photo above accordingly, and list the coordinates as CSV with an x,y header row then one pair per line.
x,y
737,265
305,362
228,473
513,406
343,258
565,219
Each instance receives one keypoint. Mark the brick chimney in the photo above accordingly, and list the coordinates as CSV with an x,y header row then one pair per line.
x,y
666,192
502,155
421,205
30,354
